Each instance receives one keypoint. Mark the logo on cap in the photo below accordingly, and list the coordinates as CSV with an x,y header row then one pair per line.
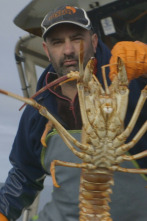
x,y
71,8
68,10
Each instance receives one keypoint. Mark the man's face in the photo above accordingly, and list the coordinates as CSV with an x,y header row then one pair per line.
x,y
62,47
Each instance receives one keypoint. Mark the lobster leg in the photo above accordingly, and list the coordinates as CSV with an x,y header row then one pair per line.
x,y
66,164
125,147
82,156
136,156
127,170
48,127
43,111
123,136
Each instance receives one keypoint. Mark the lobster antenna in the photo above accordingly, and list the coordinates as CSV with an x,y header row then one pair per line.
x,y
81,59
105,80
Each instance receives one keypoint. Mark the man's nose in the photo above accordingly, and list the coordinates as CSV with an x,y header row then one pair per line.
x,y
68,48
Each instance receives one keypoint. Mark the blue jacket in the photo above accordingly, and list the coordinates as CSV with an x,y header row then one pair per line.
x,y
26,177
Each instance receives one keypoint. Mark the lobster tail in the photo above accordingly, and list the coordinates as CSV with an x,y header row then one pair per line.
x,y
95,195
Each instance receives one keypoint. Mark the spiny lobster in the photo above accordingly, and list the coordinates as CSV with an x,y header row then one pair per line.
x,y
102,147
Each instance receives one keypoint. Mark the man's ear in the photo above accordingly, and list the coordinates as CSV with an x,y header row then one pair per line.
x,y
46,49
94,42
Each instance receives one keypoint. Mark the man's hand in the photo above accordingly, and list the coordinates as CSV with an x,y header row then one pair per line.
x,y
2,217
134,55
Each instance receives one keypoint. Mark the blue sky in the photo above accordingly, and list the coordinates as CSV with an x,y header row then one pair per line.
x,y
9,80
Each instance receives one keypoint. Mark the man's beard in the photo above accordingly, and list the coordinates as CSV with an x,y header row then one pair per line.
x,y
62,69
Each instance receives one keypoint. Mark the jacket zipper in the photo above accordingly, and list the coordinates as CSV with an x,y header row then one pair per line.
x,y
69,100
73,109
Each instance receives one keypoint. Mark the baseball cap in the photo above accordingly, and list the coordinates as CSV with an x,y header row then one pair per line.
x,y
65,14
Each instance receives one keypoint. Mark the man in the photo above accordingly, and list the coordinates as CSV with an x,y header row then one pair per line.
x,y
63,30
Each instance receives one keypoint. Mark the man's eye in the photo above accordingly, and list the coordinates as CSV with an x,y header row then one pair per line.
x,y
57,42
77,39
